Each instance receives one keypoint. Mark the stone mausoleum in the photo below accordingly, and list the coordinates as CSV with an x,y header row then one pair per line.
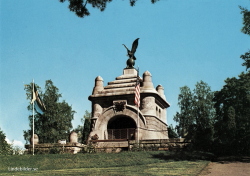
x,y
115,116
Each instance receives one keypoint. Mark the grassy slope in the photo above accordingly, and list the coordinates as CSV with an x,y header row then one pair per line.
x,y
125,163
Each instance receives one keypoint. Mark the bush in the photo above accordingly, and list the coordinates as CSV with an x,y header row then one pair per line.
x,y
55,150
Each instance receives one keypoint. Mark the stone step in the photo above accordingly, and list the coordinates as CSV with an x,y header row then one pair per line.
x,y
130,76
130,80
122,85
124,90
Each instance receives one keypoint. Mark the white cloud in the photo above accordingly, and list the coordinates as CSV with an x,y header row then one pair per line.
x,y
8,141
15,143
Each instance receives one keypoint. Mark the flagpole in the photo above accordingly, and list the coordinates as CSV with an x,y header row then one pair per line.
x,y
33,133
138,125
138,113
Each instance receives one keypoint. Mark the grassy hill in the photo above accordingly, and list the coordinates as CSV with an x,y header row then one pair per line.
x,y
124,163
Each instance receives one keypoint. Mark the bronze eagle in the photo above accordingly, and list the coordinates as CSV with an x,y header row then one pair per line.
x,y
131,53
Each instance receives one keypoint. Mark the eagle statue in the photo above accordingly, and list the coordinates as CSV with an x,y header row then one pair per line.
x,y
131,54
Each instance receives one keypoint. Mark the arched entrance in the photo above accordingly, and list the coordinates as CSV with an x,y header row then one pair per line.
x,y
121,127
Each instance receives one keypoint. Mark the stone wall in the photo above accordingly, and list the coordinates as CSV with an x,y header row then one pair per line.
x,y
55,148
110,146
157,144
160,144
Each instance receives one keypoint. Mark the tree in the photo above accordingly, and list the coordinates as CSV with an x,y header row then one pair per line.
x,y
201,131
246,30
246,58
171,132
184,118
86,127
79,131
195,119
55,123
232,105
5,148
84,130
80,6
246,20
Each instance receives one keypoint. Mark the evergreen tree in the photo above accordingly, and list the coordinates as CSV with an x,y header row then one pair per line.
x,y
79,131
55,123
86,127
171,132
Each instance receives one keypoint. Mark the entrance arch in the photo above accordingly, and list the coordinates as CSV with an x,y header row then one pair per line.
x,y
121,127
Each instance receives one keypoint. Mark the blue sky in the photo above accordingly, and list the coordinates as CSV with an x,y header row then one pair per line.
x,y
181,42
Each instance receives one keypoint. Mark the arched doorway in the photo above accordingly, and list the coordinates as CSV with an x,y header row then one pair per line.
x,y
121,127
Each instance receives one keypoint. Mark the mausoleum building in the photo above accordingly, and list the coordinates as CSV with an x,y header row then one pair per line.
x,y
115,116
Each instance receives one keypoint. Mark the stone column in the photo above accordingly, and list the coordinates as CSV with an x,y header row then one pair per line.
x,y
160,90
148,106
97,110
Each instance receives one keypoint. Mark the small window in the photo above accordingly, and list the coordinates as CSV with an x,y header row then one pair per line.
x,y
157,111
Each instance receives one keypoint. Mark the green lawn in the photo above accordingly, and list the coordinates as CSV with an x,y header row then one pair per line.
x,y
124,163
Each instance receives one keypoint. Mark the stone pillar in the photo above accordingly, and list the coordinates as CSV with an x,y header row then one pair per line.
x,y
147,80
73,138
36,139
160,90
98,85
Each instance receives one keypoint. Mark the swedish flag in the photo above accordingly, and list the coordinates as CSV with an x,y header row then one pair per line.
x,y
39,105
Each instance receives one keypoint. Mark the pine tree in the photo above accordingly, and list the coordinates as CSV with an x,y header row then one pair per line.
x,y
86,127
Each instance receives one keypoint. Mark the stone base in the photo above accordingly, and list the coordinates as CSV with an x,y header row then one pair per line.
x,y
130,71
147,145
